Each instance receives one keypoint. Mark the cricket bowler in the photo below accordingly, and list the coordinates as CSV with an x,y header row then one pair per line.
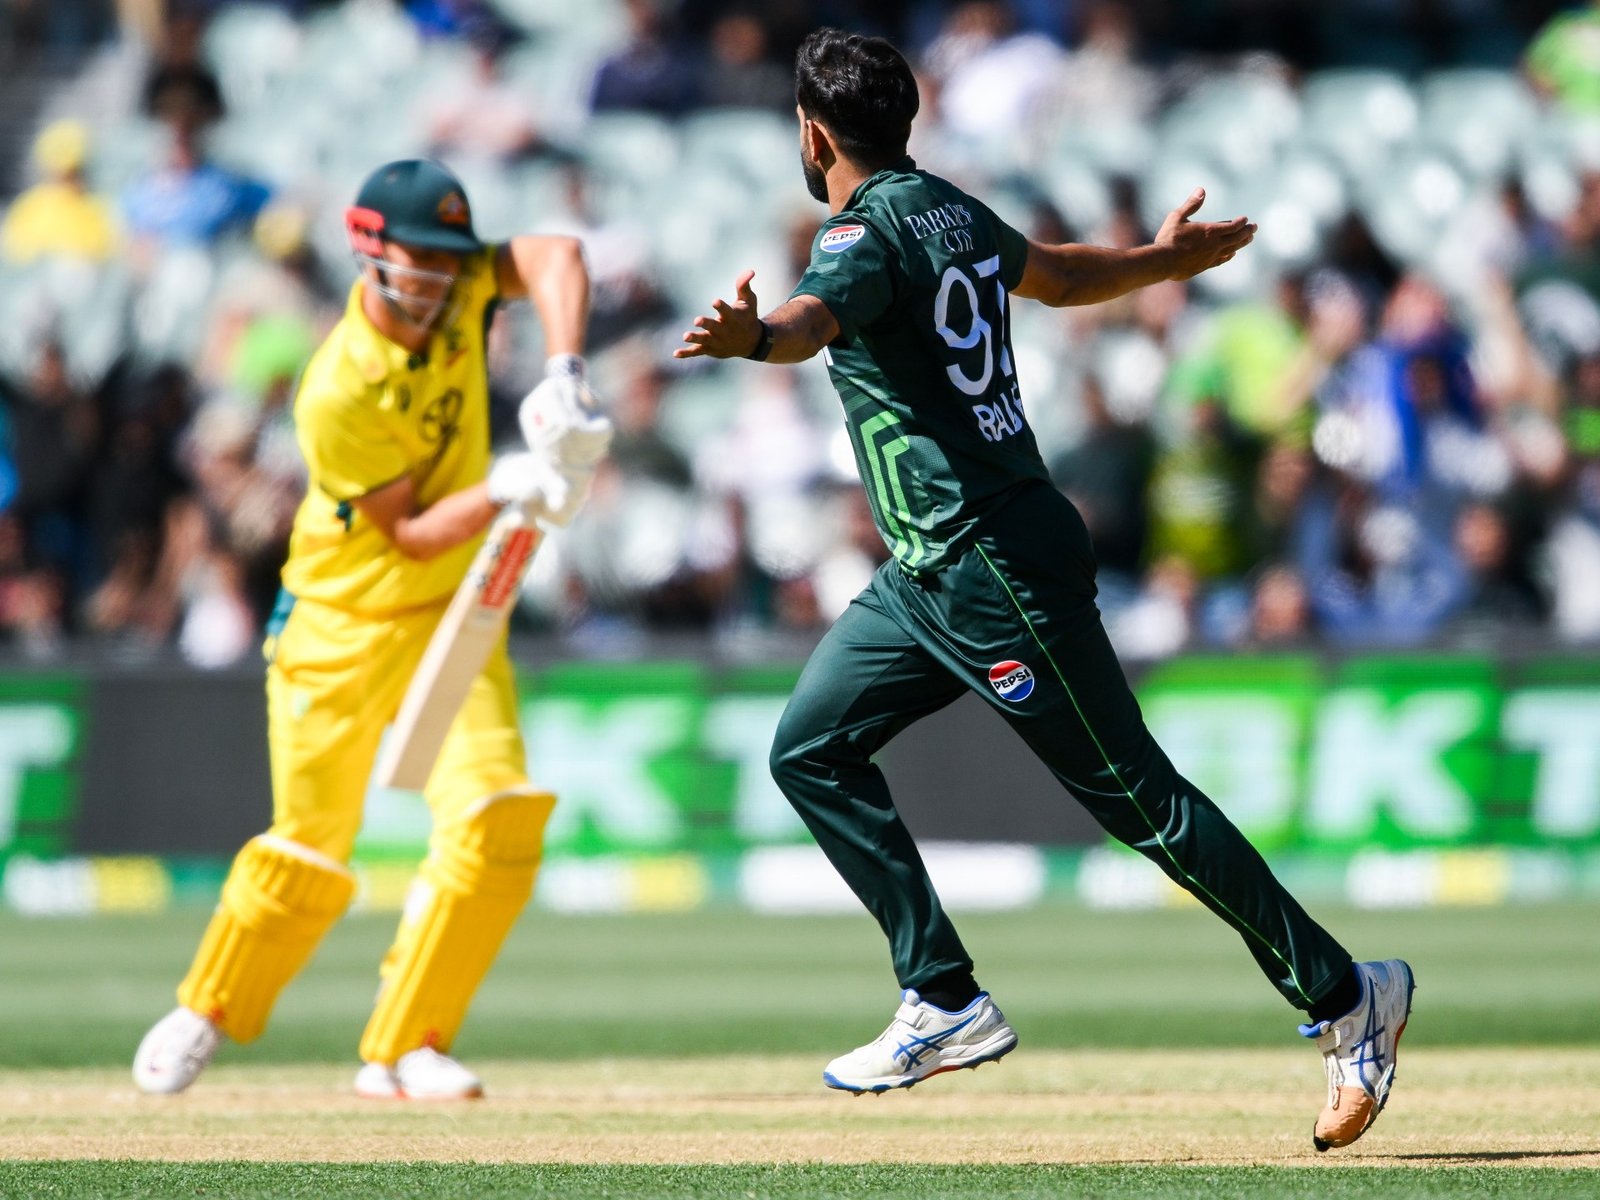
x,y
392,416
990,587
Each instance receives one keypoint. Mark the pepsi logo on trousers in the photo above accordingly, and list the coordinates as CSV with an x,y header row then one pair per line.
x,y
1012,680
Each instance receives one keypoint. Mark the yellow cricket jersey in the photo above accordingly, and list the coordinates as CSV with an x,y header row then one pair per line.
x,y
369,411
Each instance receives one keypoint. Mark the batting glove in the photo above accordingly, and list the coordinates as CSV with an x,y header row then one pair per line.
x,y
562,419
564,494
523,477
552,493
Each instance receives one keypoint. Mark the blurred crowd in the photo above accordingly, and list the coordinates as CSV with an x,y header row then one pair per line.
x,y
1379,427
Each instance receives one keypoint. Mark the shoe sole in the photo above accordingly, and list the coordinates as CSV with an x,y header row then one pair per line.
x,y
996,1048
1321,1146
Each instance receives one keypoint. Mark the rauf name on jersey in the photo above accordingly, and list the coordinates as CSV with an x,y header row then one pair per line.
x,y
1002,419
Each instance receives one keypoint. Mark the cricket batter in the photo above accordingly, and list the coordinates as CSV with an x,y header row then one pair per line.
x,y
990,587
392,415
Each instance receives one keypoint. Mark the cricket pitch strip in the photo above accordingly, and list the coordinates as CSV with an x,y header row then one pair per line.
x,y
1503,1106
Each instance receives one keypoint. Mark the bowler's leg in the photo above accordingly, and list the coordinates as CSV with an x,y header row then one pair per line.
x,y
865,682
1084,723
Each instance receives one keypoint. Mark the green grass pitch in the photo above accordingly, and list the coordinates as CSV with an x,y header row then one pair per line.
x,y
319,1181
727,982
78,992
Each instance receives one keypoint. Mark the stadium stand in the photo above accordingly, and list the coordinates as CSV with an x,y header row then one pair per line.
x,y
1380,426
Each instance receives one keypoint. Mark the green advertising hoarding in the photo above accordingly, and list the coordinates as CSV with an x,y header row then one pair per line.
x,y
648,758
1326,755
41,735
1402,751
1305,753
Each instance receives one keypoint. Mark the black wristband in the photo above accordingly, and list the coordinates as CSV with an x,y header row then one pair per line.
x,y
763,343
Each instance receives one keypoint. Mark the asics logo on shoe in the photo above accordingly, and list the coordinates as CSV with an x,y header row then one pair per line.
x,y
1367,1050
915,1049
1362,1058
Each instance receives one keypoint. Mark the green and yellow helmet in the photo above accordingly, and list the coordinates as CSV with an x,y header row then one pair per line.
x,y
419,204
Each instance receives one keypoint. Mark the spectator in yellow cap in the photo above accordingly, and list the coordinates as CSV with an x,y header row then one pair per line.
x,y
59,216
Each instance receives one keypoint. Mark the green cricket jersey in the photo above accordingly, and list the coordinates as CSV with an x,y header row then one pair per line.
x,y
917,273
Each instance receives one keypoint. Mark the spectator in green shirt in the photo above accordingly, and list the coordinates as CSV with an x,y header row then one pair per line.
x,y
1564,60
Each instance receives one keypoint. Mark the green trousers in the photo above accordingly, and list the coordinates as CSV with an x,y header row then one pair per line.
x,y
1014,620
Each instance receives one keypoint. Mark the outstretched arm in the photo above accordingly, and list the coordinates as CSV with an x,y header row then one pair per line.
x,y
1071,274
800,327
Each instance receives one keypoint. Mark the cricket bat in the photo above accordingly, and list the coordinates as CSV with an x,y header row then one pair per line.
x,y
461,644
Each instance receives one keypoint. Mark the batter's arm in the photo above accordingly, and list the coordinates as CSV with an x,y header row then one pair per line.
x,y
427,533
549,271
1071,274
799,328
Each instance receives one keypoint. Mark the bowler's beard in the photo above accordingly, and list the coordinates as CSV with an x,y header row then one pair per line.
x,y
816,181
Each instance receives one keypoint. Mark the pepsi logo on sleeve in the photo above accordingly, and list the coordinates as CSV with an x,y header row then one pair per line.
x,y
1011,680
842,237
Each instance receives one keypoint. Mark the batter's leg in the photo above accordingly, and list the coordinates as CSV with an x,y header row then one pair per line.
x,y
488,838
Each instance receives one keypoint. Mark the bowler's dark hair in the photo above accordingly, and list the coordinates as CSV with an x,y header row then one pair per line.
x,y
861,89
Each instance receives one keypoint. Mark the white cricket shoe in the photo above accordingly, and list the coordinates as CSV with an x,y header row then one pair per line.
x,y
175,1051
1359,1052
921,1041
423,1074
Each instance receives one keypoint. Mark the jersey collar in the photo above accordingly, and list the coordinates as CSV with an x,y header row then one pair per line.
x,y
375,356
904,166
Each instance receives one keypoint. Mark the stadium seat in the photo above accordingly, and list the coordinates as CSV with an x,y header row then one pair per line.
x,y
266,147
698,407
122,152
557,74
1168,179
252,48
756,145
1294,201
352,80
1079,192
1013,200
1358,116
81,305
94,318
596,20
169,314
635,147
1480,116
378,39
700,261
541,188
1410,199
1117,147
1313,179
1131,367
1241,120
21,305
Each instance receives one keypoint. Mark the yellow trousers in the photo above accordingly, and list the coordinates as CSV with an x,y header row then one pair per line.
x,y
335,681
